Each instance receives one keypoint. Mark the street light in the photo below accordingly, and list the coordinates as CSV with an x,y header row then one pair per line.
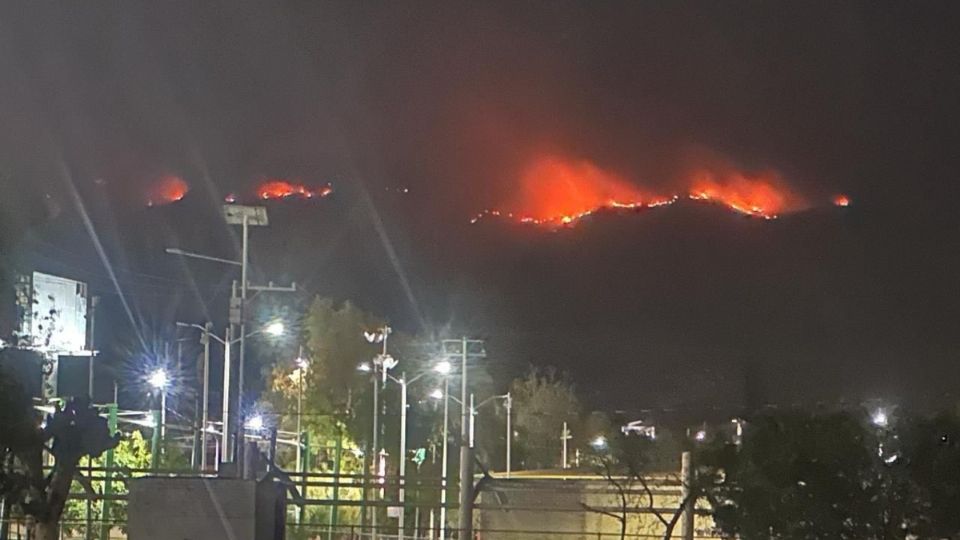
x,y
880,418
254,423
159,380
599,443
275,329
508,405
384,362
404,383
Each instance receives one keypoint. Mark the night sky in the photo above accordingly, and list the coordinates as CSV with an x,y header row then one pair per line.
x,y
422,114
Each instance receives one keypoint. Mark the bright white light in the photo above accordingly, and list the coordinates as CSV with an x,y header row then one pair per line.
x,y
255,423
437,394
275,329
599,442
364,367
879,418
701,435
158,379
442,367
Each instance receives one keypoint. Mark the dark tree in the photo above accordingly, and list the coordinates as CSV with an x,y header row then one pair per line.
x,y
72,432
801,475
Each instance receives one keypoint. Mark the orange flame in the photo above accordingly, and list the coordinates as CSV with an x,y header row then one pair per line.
x,y
761,195
841,200
167,189
557,192
281,189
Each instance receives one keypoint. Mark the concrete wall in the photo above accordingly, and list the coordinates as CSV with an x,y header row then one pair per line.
x,y
191,509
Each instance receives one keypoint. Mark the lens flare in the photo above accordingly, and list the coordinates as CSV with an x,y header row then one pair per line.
x,y
166,189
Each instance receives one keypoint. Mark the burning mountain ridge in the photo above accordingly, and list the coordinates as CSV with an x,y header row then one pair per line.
x,y
170,188
555,192
282,189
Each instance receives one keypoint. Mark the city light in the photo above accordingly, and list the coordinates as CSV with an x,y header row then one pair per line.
x,y
364,367
880,418
158,379
437,394
442,367
275,329
701,436
255,423
599,442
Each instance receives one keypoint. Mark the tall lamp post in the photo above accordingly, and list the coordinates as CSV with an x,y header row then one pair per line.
x,y
159,380
461,347
275,329
508,405
382,363
443,368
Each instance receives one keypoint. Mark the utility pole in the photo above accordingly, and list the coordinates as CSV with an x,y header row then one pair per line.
x,y
401,522
205,417
93,349
466,449
382,363
88,532
509,405
686,495
225,444
564,437
444,459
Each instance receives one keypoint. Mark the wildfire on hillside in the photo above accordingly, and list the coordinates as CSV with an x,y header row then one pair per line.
x,y
555,192
166,189
282,189
759,195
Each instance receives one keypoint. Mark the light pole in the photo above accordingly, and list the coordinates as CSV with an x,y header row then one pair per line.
x,y
564,437
205,415
158,379
443,367
508,405
445,395
382,363
245,216
302,364
466,451
274,328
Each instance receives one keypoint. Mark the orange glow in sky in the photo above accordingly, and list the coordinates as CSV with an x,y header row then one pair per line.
x,y
557,192
841,200
761,194
167,189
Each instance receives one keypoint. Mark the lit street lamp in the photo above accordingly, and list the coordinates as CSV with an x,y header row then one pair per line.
x,y
443,367
254,423
275,329
159,380
880,418
382,362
